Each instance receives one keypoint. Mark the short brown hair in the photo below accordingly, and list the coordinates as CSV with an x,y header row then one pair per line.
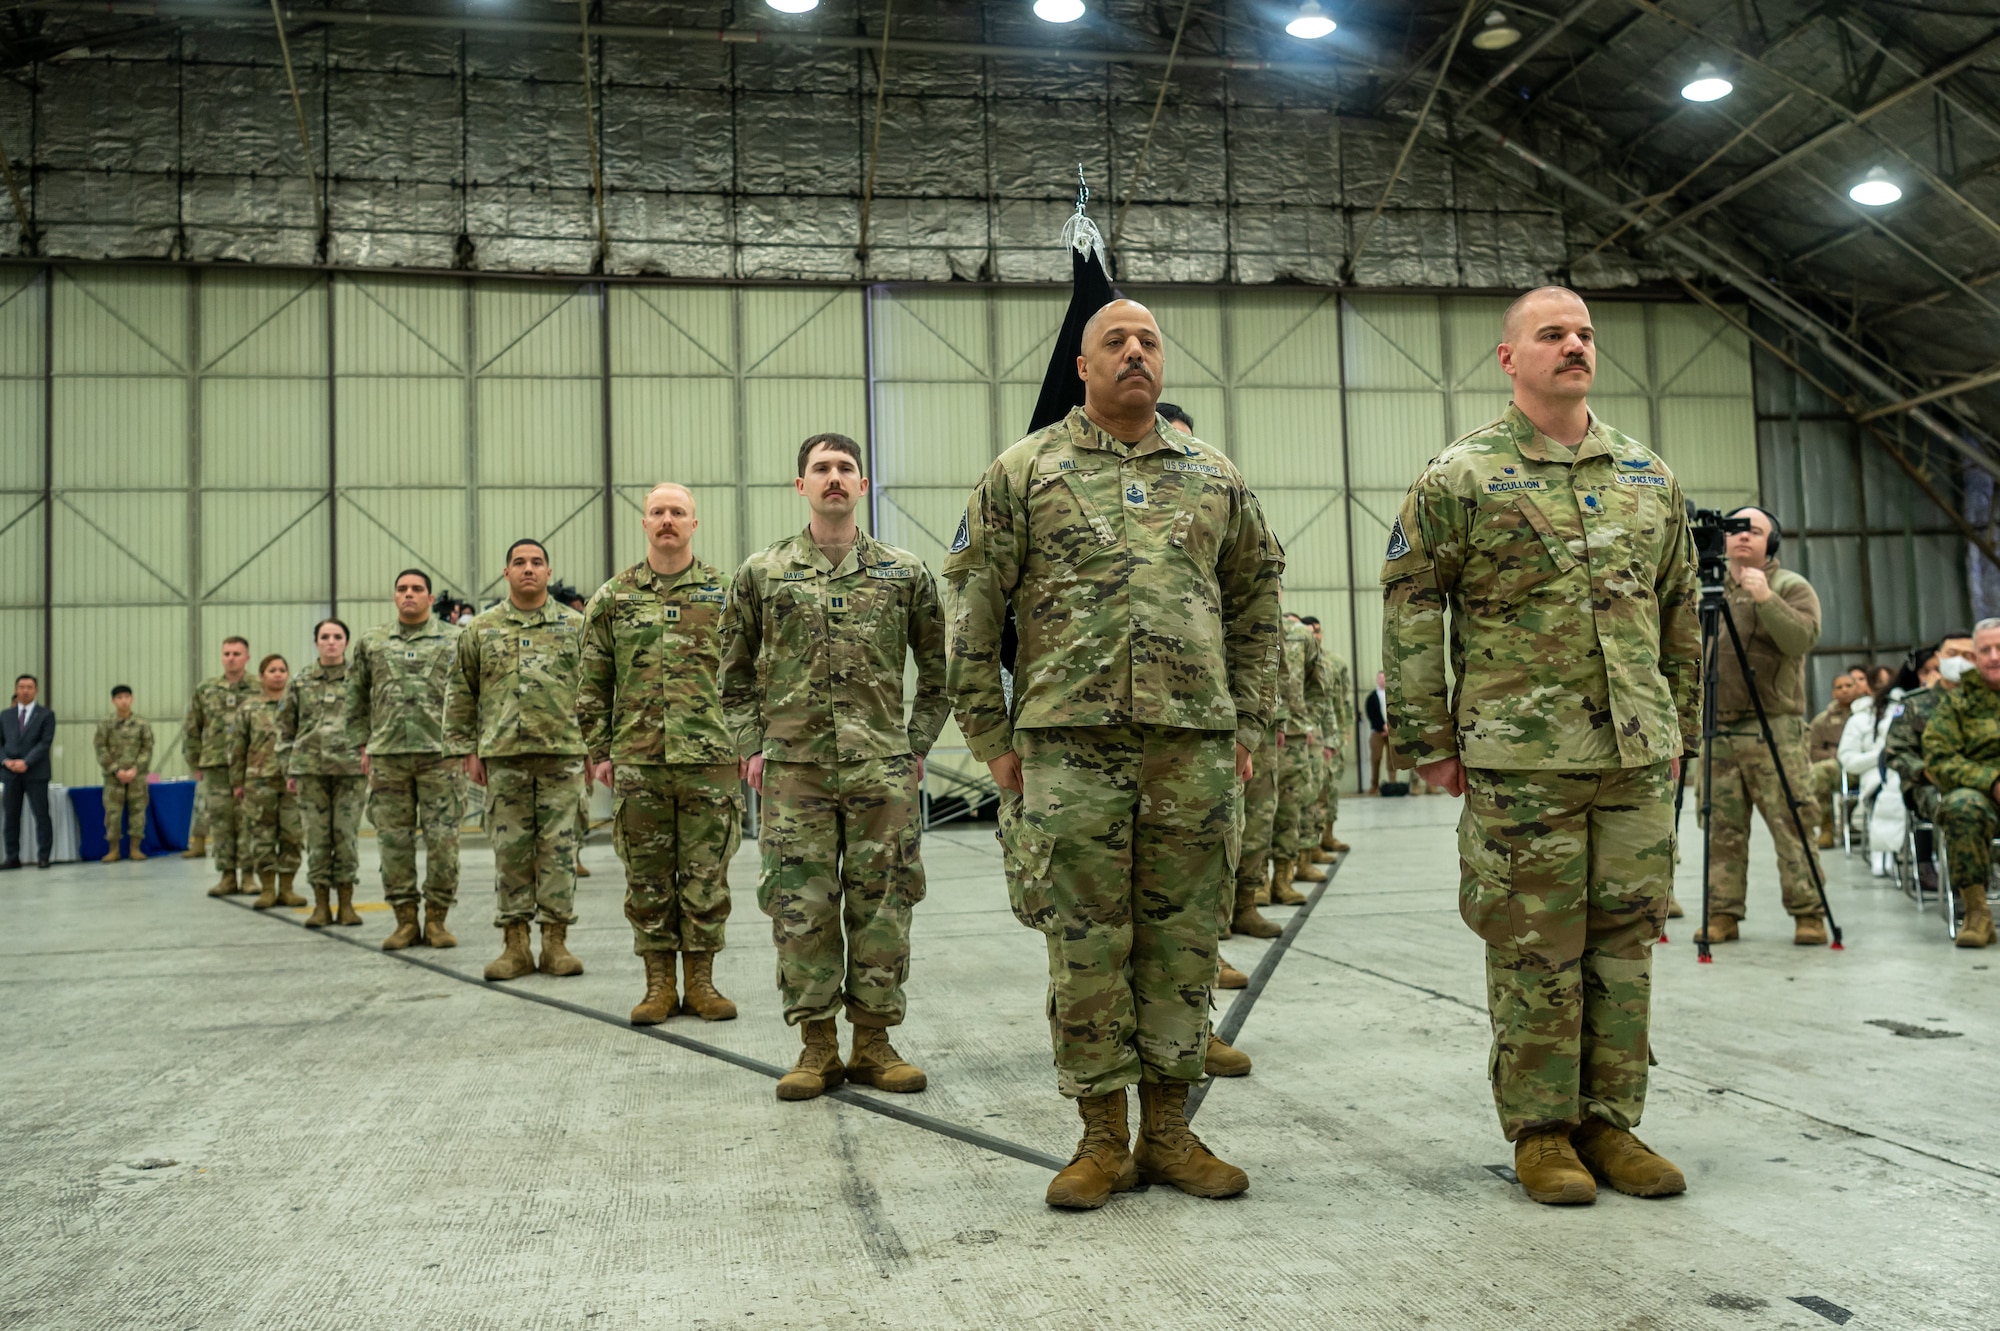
x,y
274,656
244,643
840,443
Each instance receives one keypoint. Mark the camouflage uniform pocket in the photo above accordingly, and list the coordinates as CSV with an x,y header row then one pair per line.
x,y
909,877
1486,884
1026,853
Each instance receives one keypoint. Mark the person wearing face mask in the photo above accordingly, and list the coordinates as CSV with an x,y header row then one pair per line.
x,y
1777,619
1962,758
1930,674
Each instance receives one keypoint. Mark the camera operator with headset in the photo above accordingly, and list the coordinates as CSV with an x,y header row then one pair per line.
x,y
1776,613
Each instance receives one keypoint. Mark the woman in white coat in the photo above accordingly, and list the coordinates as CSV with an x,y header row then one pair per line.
x,y
1860,756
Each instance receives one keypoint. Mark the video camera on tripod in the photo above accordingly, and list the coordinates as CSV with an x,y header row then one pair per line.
x,y
1711,531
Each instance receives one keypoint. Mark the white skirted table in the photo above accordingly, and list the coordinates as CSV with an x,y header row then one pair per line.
x,y
61,813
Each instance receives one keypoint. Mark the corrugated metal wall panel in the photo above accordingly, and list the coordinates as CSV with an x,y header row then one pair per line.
x,y
775,513
385,531
569,521
1391,436
1393,342
1696,351
1711,445
778,415
932,433
20,325
264,324
122,432
672,330
930,338
400,431
263,433
21,554
540,431
1623,365
399,326
802,333
544,332
1289,437
681,429
94,650
120,548
121,321
263,545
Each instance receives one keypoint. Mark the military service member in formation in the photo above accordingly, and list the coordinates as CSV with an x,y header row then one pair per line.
x,y
1777,617
1144,581
205,741
395,704
1293,831
818,630
267,826
511,708
651,712
1545,530
124,747
1962,760
1335,710
323,741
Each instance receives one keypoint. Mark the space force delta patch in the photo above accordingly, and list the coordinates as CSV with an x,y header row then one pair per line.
x,y
1399,544
964,537
1521,483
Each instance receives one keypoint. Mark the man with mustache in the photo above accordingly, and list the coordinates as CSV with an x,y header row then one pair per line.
x,y
1144,581
1543,659
818,629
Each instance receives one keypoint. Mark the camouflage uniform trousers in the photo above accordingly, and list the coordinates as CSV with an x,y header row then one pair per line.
x,y
842,845
531,817
268,831
676,826
1121,856
218,797
121,797
198,826
330,808
1744,776
408,791
1967,821
1824,778
1259,800
1293,761
1565,877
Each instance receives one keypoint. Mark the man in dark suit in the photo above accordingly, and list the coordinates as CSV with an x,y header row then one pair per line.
x,y
27,730
1378,737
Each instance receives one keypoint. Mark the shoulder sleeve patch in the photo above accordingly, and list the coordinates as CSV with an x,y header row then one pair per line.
x,y
1399,544
964,536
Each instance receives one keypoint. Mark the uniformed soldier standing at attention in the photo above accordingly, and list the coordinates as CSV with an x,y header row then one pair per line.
x,y
269,836
1145,585
651,711
818,629
395,701
511,708
205,741
1293,833
1335,709
324,770
124,747
1558,549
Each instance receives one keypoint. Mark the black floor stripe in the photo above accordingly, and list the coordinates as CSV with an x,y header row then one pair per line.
x,y
845,1094
1267,966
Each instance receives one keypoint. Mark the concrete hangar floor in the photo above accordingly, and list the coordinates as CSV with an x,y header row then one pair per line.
x,y
217,1119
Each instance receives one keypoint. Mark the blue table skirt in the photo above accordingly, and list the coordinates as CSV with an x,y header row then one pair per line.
x,y
169,813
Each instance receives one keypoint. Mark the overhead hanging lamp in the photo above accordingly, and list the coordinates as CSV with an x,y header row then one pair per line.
x,y
1059,11
1310,22
1496,33
1707,85
793,6
1875,190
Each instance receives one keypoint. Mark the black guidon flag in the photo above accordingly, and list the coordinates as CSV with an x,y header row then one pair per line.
x,y
1090,291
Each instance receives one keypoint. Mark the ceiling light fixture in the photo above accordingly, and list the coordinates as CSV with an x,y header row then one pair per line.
x,y
1311,22
793,6
1058,11
1707,85
1875,190
1497,33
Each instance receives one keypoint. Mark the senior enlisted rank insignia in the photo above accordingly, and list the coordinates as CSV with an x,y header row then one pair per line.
x,y
1135,493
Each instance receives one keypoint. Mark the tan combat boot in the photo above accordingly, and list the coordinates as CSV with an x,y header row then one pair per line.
x,y
111,858
197,848
703,998
405,932
1809,930
1328,841
1626,1163
581,870
1976,930
1223,1060
876,1063
435,934
135,853
321,916
1546,1165
1721,929
1825,836
267,894
345,915
557,959
660,1001
1249,920
224,886
1169,1152
287,897
819,1068
1282,891
1674,911
1103,1161
514,960
1228,977
1305,871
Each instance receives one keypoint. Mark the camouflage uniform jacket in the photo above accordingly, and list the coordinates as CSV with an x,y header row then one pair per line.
x,y
205,732
1823,735
512,692
1144,583
1570,581
652,655
1903,746
1962,741
1336,703
123,744
396,678
256,745
1300,713
323,737
1777,633
812,655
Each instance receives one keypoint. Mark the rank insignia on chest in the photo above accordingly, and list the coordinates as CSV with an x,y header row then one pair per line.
x,y
797,574
1510,471
1514,484
527,643
673,614
1590,502
837,604
1135,493
1642,478
409,656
